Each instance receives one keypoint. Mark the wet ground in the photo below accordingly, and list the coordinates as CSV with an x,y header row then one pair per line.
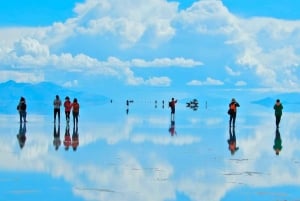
x,y
140,154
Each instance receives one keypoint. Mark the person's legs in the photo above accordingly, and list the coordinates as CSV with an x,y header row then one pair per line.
x,y
233,119
20,114
278,117
230,119
54,114
58,113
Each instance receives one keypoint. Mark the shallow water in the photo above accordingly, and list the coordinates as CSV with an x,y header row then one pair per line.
x,y
131,155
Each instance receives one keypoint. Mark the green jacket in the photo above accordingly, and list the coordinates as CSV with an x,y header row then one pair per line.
x,y
278,109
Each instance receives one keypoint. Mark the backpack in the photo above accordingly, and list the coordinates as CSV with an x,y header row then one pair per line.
x,y
170,104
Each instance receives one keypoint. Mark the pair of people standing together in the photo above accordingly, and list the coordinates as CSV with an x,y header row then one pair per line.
x,y
74,106
233,109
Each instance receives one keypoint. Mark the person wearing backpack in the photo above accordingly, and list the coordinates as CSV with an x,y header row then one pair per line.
x,y
232,112
75,112
22,109
172,106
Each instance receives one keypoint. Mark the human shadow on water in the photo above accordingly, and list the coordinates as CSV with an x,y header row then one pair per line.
x,y
21,136
277,142
67,138
75,138
172,129
232,141
56,137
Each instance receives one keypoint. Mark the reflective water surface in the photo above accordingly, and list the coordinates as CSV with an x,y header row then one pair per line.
x,y
136,152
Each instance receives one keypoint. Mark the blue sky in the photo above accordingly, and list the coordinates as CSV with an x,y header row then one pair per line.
x,y
171,44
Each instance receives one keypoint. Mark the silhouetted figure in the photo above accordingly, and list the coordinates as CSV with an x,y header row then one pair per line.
x,y
67,139
155,103
75,112
163,104
22,107
232,111
277,142
172,130
232,141
75,138
278,112
172,104
21,136
56,137
68,107
56,104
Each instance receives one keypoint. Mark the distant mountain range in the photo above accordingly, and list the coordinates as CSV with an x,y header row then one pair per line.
x,y
39,97
290,101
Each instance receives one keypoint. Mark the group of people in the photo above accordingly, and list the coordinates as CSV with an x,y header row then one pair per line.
x,y
69,106
57,103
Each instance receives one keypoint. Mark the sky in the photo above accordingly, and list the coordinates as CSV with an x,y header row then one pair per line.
x,y
124,44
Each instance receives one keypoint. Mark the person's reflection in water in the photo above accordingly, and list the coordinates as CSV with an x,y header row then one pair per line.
x,y
67,139
172,128
75,138
56,137
277,142
232,141
21,136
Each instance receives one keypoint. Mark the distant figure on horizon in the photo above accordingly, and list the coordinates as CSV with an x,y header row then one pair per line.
x,y
232,141
22,107
68,107
57,104
21,136
277,142
278,112
232,111
75,112
56,137
172,104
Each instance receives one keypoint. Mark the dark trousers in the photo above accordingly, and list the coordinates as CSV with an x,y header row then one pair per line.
x,y
232,119
278,118
56,113
67,115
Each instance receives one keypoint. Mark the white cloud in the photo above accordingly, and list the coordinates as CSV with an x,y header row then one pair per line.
x,y
231,72
264,46
158,81
28,77
129,20
166,62
208,81
240,83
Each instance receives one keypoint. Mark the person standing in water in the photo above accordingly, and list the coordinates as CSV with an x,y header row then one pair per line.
x,y
278,112
68,107
21,107
75,112
232,111
172,104
57,104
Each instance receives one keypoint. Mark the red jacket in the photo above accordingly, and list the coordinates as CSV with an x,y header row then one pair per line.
x,y
68,105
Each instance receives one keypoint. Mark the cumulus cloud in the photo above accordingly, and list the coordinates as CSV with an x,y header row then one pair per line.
x,y
266,47
129,20
166,62
231,72
18,76
208,81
